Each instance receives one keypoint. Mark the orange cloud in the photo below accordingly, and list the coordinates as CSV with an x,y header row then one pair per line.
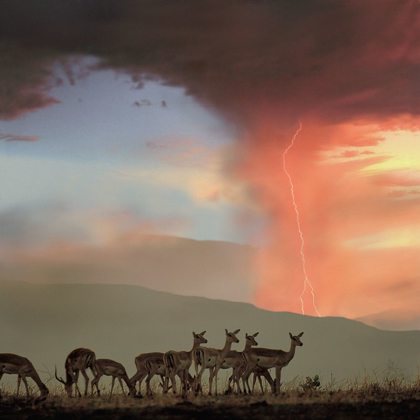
x,y
345,214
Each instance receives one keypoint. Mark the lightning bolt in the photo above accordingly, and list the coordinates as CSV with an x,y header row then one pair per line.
x,y
302,241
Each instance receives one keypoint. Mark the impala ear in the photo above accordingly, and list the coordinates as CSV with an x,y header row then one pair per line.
x,y
291,336
226,331
246,335
236,332
300,335
194,334
255,334
203,333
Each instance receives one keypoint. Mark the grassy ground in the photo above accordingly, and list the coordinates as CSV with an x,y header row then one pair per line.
x,y
392,399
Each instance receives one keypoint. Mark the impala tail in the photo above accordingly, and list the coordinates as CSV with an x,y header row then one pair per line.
x,y
90,362
169,362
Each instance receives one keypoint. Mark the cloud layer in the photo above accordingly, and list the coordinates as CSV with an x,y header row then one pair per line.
x,y
348,70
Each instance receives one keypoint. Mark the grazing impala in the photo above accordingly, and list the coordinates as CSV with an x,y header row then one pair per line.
x,y
211,359
13,364
179,362
270,358
77,361
116,370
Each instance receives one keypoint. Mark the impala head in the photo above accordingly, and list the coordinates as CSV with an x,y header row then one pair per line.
x,y
132,392
296,339
199,337
231,336
44,390
251,339
67,384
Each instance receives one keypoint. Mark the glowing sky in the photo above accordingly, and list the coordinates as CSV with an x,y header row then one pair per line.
x,y
172,118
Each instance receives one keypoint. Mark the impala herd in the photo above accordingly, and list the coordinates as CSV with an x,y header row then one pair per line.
x,y
168,366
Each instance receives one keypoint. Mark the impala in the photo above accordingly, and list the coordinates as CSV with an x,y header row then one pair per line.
x,y
13,364
109,367
211,359
270,358
258,373
149,365
77,361
234,360
179,362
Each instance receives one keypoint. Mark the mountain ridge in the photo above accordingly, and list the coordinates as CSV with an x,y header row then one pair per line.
x,y
44,322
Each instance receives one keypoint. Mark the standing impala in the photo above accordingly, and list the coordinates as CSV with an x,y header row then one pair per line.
x,y
13,364
148,364
270,358
211,359
77,361
234,360
179,362
109,367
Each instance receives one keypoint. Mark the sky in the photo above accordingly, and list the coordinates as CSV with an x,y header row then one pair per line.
x,y
123,118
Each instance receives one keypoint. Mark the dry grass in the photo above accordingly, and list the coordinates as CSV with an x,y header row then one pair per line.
x,y
391,395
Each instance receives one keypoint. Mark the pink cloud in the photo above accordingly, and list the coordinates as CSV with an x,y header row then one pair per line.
x,y
14,137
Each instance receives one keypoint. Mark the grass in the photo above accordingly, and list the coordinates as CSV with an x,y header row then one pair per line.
x,y
374,396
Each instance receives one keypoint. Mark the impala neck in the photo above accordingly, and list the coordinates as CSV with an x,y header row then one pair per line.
x,y
226,348
248,346
196,344
291,353
37,379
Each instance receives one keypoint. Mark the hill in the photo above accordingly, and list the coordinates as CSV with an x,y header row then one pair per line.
x,y
395,320
44,322
164,263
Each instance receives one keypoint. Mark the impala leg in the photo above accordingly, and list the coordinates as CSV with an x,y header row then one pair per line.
x,y
211,370
269,379
112,386
254,381
216,369
173,381
121,385
261,384
198,378
75,380
236,380
245,377
148,388
140,380
26,385
94,383
278,376
86,381
18,385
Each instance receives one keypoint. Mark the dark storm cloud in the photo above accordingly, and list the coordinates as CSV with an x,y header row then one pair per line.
x,y
336,60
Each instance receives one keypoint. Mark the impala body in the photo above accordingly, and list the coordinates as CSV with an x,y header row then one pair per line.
x,y
148,364
114,369
269,358
77,361
179,363
234,360
13,364
212,359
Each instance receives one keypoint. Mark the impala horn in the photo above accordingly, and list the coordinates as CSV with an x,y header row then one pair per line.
x,y
56,377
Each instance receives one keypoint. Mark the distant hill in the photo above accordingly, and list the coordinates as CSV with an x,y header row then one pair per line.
x,y
45,322
215,269
394,320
